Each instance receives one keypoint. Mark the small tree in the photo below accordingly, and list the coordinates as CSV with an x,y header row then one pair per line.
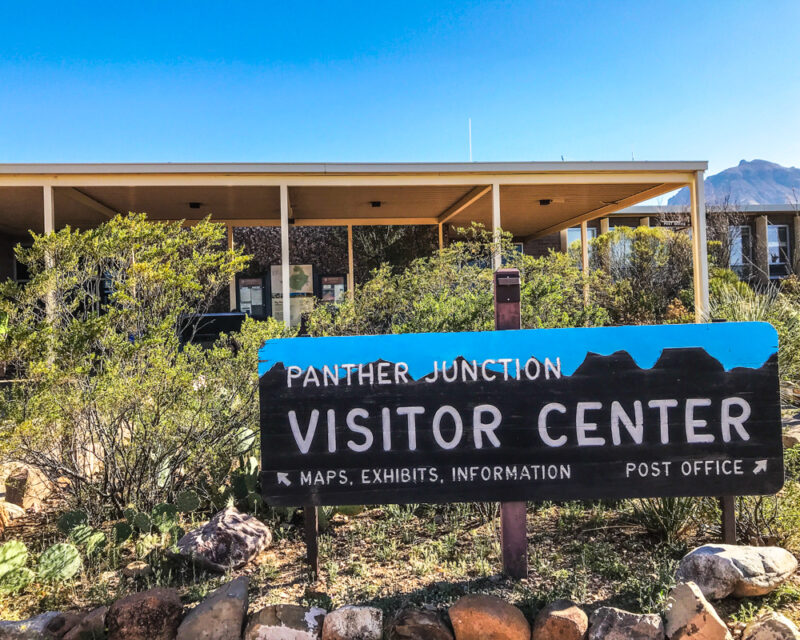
x,y
452,291
107,401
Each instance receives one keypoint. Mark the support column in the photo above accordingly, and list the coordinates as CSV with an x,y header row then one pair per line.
x,y
603,225
761,251
49,227
699,248
497,257
585,260
441,236
285,290
351,278
585,247
796,245
644,222
232,283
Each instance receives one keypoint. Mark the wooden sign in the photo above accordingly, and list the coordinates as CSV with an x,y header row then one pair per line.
x,y
610,412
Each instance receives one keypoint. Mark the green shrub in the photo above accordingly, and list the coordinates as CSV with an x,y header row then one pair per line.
x,y
107,384
59,563
668,518
452,291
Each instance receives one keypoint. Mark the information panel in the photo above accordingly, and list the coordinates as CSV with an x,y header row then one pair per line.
x,y
610,412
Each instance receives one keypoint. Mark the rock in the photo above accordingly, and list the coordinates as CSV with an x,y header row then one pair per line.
x,y
419,624
608,623
13,511
37,628
724,569
285,622
481,617
91,627
791,437
560,620
771,626
220,616
228,541
137,569
353,623
5,519
27,488
149,615
689,615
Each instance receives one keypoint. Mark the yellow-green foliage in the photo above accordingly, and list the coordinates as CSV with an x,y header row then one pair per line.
x,y
111,387
452,291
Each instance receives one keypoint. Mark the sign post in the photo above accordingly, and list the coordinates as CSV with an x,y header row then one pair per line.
x,y
513,515
511,416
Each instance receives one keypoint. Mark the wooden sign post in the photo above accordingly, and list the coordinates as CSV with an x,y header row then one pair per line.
x,y
510,416
513,515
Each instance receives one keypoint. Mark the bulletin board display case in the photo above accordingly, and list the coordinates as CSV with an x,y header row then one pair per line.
x,y
301,290
253,296
332,288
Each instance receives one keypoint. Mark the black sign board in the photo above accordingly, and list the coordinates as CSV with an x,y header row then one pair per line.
x,y
611,412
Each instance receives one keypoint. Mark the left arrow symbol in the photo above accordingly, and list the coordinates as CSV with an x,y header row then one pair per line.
x,y
283,478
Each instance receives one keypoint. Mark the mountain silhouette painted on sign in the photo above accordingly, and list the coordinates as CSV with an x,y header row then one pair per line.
x,y
753,182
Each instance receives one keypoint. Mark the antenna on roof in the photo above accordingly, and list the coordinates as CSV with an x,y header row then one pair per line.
x,y
632,158
469,127
562,158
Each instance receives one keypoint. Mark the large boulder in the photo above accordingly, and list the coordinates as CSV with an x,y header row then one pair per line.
x,y
689,615
27,488
721,570
791,436
482,617
149,615
560,620
92,626
220,616
228,541
285,622
419,624
42,627
608,623
771,626
353,623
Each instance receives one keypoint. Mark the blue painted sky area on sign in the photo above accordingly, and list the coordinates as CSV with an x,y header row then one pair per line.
x,y
733,344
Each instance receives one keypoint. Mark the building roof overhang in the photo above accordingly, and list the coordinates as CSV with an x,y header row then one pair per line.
x,y
536,198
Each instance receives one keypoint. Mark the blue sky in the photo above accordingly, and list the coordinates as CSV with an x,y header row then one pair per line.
x,y
372,81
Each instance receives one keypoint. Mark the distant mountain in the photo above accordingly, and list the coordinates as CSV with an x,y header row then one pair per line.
x,y
754,182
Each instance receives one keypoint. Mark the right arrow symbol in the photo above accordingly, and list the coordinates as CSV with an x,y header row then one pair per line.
x,y
761,465
283,478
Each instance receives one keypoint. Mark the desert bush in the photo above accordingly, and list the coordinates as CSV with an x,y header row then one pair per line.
x,y
647,269
108,403
668,518
738,302
452,291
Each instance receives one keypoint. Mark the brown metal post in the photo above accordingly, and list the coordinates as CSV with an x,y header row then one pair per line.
x,y
311,518
513,525
728,504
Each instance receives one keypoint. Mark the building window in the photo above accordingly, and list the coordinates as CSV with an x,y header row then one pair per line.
x,y
741,249
574,235
778,250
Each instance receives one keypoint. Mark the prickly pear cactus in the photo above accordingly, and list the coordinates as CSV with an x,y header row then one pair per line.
x,y
130,514
60,562
13,555
96,543
121,532
68,520
80,535
164,517
187,501
142,522
16,580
